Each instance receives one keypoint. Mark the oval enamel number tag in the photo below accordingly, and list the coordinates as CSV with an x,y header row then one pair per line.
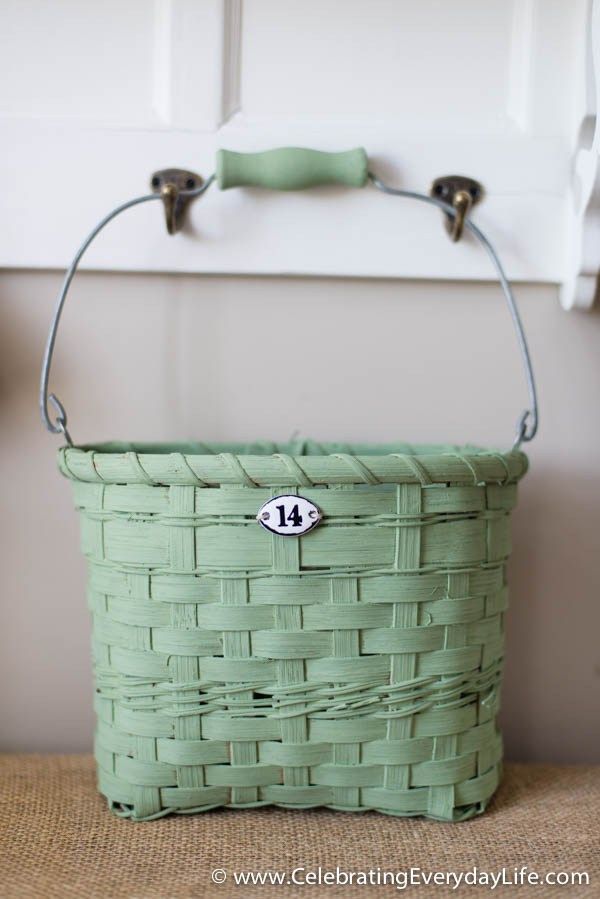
x,y
289,515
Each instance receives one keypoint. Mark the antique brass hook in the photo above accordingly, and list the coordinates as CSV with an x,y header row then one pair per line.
x,y
177,188
460,192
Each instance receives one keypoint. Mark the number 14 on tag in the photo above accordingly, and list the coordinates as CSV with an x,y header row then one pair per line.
x,y
289,515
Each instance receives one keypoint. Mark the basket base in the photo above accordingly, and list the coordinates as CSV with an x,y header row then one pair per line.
x,y
485,785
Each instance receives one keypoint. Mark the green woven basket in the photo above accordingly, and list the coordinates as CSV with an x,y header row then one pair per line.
x,y
357,666
343,650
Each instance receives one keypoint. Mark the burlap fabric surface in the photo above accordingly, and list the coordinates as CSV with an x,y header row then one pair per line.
x,y
57,839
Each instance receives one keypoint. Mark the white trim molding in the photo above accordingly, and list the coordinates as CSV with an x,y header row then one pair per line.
x,y
489,93
580,283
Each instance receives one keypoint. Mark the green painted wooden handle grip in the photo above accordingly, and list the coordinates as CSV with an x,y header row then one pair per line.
x,y
291,168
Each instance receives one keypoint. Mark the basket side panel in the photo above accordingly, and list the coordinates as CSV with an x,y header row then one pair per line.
x,y
357,667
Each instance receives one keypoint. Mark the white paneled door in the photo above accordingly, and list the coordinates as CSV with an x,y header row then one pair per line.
x,y
97,95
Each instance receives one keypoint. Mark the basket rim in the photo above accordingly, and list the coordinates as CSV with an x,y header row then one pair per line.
x,y
295,464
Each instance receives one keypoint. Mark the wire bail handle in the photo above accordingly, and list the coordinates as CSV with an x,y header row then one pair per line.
x,y
286,168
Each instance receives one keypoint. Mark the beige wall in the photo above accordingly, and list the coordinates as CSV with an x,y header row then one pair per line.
x,y
160,357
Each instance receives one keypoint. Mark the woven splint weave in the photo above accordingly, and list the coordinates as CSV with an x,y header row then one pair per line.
x,y
356,667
